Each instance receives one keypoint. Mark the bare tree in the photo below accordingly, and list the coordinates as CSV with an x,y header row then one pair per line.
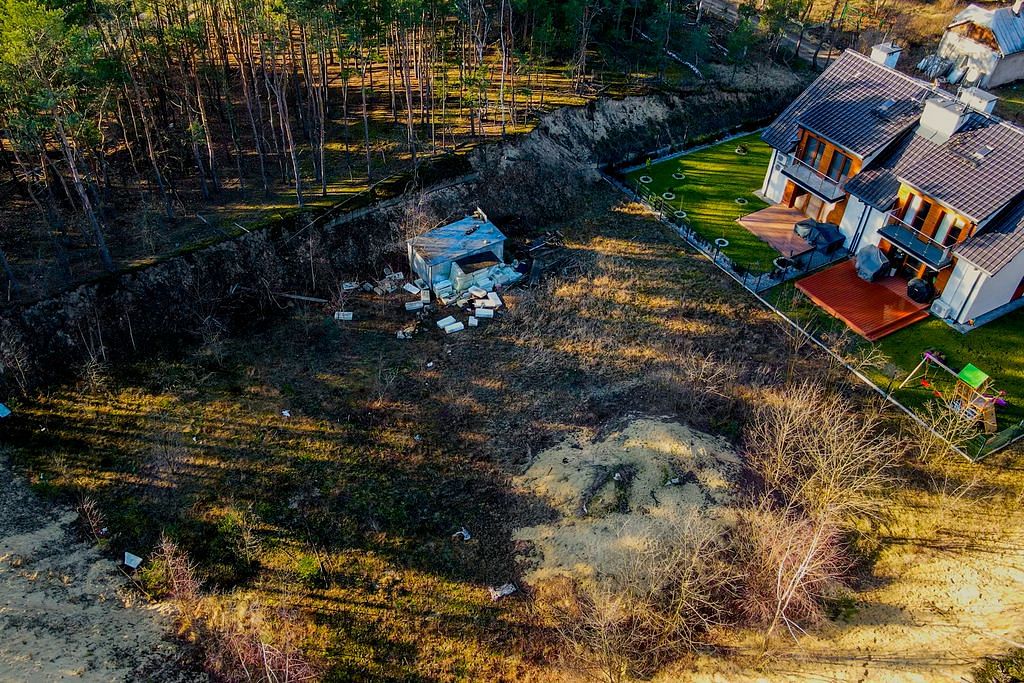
x,y
790,564
815,450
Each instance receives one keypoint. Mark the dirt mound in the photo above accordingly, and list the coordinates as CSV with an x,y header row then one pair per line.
x,y
612,496
65,612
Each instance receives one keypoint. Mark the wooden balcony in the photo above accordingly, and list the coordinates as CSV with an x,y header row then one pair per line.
x,y
871,309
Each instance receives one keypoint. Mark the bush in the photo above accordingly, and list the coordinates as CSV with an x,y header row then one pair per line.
x,y
791,566
1008,669
661,604
815,450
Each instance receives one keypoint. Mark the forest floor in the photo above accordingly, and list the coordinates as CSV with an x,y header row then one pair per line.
x,y
325,466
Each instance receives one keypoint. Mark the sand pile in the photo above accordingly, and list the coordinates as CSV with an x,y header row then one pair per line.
x,y
611,497
63,611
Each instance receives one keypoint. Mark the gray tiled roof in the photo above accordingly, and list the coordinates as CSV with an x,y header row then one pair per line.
x,y
1007,27
842,106
977,188
999,243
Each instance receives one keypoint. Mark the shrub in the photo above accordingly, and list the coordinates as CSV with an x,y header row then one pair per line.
x,y
815,450
790,566
659,605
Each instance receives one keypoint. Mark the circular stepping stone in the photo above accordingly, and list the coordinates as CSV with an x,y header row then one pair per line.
x,y
668,195
742,201
646,179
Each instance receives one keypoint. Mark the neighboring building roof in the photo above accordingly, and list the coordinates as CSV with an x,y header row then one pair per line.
x,y
999,243
849,104
976,172
1007,27
456,240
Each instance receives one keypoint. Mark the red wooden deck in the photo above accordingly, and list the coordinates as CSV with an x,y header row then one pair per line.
x,y
871,309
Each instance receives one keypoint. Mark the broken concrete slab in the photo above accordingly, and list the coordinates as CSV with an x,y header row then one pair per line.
x,y
473,321
446,321
411,288
414,305
484,313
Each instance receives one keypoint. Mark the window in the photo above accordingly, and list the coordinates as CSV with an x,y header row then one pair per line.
x,y
916,211
812,152
950,228
839,167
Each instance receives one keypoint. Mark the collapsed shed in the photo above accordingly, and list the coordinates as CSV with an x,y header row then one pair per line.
x,y
460,255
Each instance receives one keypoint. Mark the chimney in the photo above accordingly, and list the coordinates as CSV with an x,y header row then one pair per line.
x,y
941,118
979,100
888,54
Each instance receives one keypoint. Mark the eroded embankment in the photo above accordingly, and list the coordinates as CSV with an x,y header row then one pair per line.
x,y
214,291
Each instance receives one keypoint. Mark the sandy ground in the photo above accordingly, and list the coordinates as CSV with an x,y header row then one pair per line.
x,y
65,611
608,497
942,606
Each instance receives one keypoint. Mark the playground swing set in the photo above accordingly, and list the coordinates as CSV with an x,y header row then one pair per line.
x,y
972,396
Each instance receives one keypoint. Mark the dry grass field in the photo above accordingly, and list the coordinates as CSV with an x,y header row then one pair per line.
x,y
316,471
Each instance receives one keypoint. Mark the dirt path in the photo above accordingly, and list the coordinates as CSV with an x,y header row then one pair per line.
x,y
65,613
943,605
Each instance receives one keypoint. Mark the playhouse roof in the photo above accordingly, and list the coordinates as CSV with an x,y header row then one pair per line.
x,y
453,241
973,376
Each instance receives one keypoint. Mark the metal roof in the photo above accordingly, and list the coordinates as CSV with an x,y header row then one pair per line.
x,y
456,240
845,106
1007,27
999,243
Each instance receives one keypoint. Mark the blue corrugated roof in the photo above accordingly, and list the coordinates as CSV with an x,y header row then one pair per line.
x,y
455,240
1007,27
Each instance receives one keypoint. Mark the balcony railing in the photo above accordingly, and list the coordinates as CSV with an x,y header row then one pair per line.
x,y
914,242
814,180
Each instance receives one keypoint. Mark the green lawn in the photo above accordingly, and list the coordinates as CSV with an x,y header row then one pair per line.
x,y
997,348
715,177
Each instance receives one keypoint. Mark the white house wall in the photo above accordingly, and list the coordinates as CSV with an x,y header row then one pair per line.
x,y
969,289
861,223
774,182
1009,69
954,46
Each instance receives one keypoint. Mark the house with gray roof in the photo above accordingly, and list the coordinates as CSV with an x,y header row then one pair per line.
x,y
930,181
985,46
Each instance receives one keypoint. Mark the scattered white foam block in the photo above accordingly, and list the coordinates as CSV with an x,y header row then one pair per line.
x,y
473,321
484,313
478,292
411,288
343,315
414,305
378,291
442,284
350,286
396,276
425,295
454,327
132,561
367,287
445,322
420,283
494,299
